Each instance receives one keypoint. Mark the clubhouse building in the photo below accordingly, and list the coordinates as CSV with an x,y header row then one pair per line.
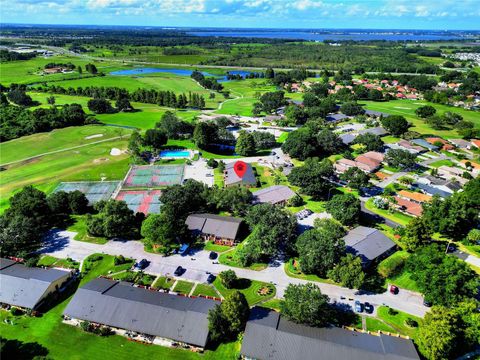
x,y
223,230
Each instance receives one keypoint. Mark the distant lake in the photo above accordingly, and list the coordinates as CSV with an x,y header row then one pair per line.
x,y
336,36
180,72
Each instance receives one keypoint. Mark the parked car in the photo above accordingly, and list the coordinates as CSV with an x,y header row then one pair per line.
x,y
210,278
179,271
427,303
394,290
213,255
358,306
142,264
368,308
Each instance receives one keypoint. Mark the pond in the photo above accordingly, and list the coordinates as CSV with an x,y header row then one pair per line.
x,y
180,72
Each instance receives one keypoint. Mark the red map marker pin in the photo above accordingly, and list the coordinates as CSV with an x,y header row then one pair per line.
x,y
240,167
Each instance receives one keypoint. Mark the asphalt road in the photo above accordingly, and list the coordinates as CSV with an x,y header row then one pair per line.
x,y
61,244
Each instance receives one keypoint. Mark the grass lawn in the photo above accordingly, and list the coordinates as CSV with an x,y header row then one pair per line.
x,y
68,342
183,287
274,304
229,258
163,282
249,288
206,290
376,325
293,271
389,139
80,227
444,162
218,178
396,216
268,177
283,137
404,281
211,246
51,261
397,321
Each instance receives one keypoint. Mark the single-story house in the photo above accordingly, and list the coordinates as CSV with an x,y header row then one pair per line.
x,y
231,178
474,165
337,117
425,144
343,165
269,335
446,144
120,305
415,197
409,207
407,145
371,159
476,143
461,144
369,244
347,139
376,114
450,172
380,131
277,194
28,287
437,186
223,230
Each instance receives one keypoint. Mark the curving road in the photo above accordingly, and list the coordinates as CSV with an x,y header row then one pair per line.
x,y
61,244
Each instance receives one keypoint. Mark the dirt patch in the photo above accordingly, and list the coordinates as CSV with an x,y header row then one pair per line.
x,y
93,136
116,152
100,160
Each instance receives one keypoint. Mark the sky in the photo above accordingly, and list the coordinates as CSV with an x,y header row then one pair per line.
x,y
358,14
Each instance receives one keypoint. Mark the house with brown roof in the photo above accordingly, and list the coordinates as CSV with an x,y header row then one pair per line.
x,y
415,197
434,140
407,206
371,160
476,143
223,230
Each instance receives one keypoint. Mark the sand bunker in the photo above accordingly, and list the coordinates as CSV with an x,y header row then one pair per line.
x,y
115,152
93,136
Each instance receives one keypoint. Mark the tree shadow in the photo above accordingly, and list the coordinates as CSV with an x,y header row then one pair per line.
x,y
19,350
242,284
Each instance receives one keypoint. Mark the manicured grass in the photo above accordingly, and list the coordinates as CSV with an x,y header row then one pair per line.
x,y
389,139
183,287
218,178
69,342
444,162
397,321
376,325
269,177
80,227
249,289
51,261
211,246
163,282
293,271
404,280
396,216
274,304
283,137
206,290
230,258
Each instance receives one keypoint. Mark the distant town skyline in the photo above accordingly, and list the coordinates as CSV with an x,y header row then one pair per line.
x,y
282,14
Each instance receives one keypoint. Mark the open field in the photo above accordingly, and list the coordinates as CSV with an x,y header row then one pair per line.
x,y
407,108
68,342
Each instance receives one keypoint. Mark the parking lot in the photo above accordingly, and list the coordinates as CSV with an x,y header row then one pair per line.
x,y
199,171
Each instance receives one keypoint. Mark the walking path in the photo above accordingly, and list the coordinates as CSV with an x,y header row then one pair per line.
x,y
61,244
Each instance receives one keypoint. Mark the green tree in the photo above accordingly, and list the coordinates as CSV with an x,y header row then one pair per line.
x,y
154,138
135,143
228,319
395,124
348,272
204,134
123,104
312,177
51,100
355,178
114,220
271,101
157,229
371,142
345,208
228,278
234,199
301,144
100,106
425,111
399,158
245,144
417,233
352,109
305,304
329,143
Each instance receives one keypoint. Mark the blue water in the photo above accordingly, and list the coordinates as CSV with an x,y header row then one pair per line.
x,y
390,35
174,154
180,72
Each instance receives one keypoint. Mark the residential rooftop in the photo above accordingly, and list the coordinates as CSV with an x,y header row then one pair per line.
x,y
273,194
226,227
231,177
368,243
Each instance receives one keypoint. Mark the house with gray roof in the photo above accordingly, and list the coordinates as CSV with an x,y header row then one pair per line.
x,y
380,131
121,305
369,244
376,114
269,335
223,230
348,138
277,195
336,117
231,178
425,144
28,287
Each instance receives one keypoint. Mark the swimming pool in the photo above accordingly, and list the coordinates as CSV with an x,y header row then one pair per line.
x,y
175,154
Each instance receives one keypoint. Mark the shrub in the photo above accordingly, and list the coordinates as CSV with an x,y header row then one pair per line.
x,y
392,312
212,163
85,325
391,266
228,278
16,311
119,260
411,323
295,201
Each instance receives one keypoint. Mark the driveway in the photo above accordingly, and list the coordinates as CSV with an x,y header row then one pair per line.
x,y
199,171
61,244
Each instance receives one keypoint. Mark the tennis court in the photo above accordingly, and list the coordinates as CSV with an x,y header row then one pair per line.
x,y
93,190
153,176
145,201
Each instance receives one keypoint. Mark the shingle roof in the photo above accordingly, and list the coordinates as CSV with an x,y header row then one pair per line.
x,y
424,144
416,196
336,117
348,138
367,243
410,206
380,131
273,194
25,286
376,113
232,178
226,227
122,305
268,335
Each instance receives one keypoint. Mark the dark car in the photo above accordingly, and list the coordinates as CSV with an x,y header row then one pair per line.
x,y
368,308
358,306
179,271
427,303
142,264
213,255
211,278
